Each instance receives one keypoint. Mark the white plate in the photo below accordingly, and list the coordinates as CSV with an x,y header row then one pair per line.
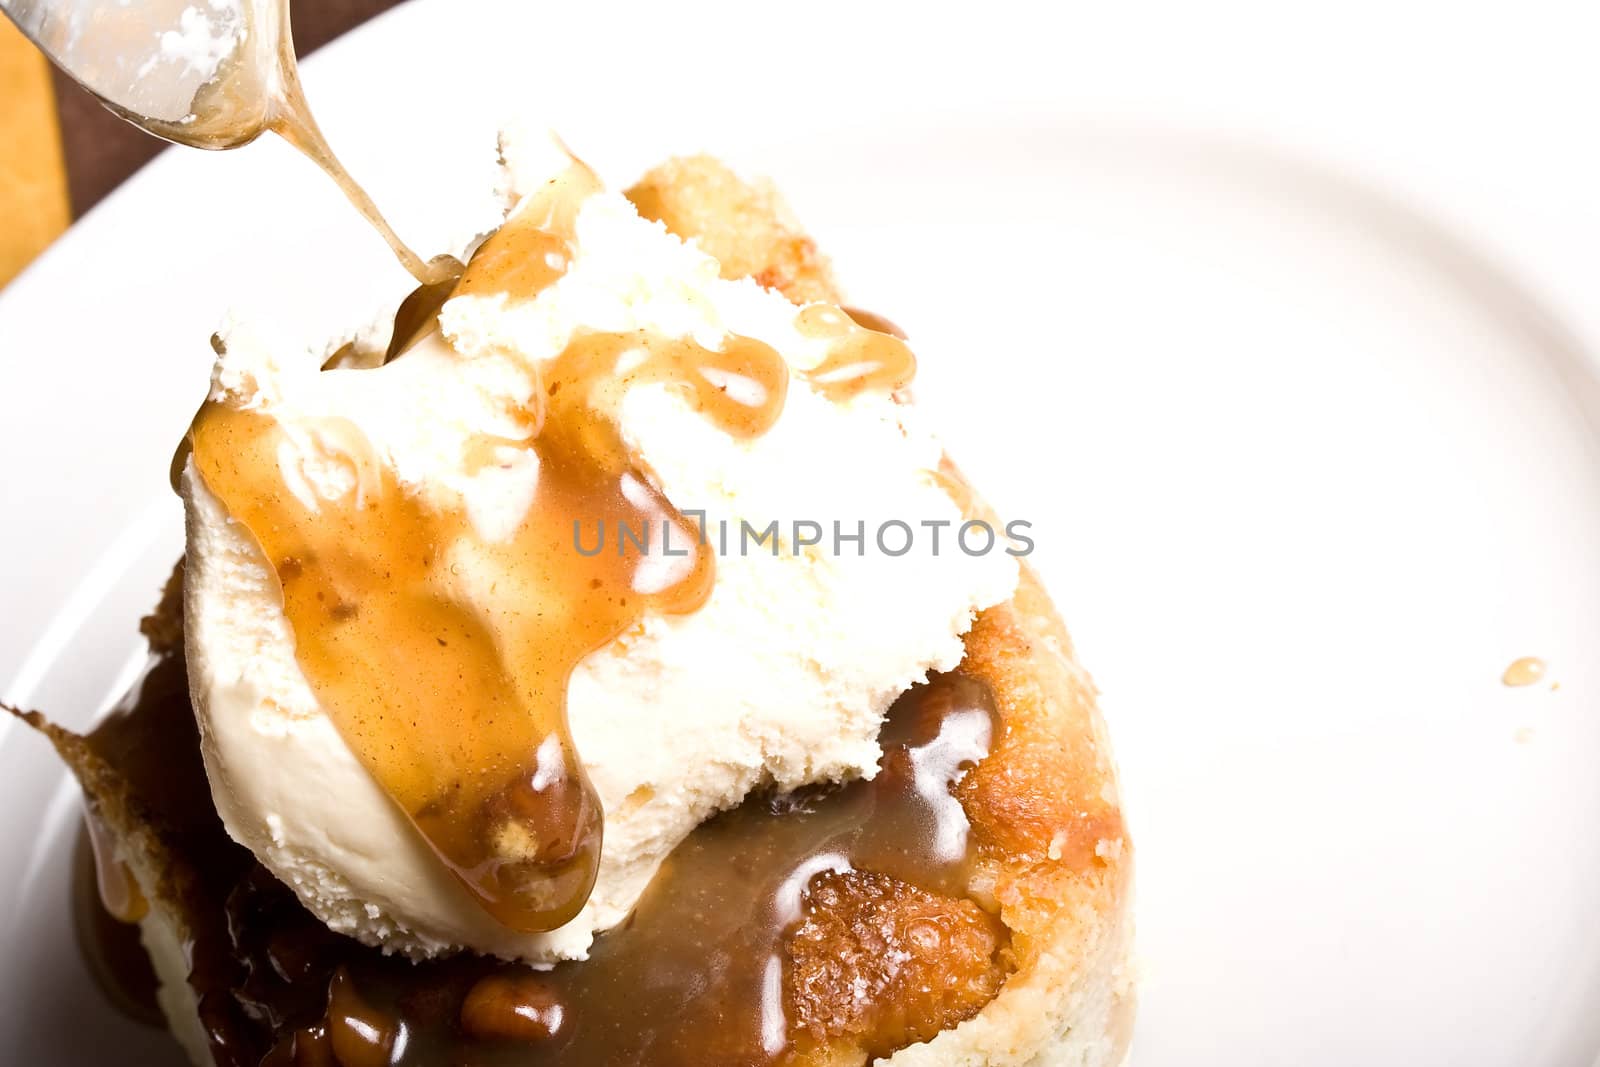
x,y
1308,467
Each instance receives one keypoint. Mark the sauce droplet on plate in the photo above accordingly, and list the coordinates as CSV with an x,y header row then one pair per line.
x,y
1526,671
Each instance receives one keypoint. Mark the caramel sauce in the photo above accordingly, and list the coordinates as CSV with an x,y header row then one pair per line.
x,y
294,123
416,318
114,882
359,1034
698,974
536,245
528,253
717,966
701,973
257,89
290,118
1529,670
860,358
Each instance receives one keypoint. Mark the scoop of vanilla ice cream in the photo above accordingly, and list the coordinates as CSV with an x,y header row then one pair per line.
x,y
782,677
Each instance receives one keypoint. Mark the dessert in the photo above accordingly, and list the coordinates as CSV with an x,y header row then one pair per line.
x,y
777,880
771,664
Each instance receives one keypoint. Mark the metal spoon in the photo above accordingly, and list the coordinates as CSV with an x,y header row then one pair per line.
x,y
204,73
150,60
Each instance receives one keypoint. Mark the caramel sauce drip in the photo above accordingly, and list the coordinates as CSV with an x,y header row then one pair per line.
x,y
294,123
860,358
359,1034
118,889
443,657
290,118
252,94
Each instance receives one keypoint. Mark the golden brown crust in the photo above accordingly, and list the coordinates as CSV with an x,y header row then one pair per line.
x,y
1045,801
1055,852
876,964
744,226
163,628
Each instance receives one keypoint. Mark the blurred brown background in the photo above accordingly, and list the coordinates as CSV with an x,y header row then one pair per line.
x,y
61,152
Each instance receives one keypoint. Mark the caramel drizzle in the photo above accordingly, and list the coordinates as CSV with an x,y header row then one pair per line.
x,y
859,359
535,247
118,889
256,90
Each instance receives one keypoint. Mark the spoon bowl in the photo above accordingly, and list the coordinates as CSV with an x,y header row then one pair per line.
x,y
203,75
